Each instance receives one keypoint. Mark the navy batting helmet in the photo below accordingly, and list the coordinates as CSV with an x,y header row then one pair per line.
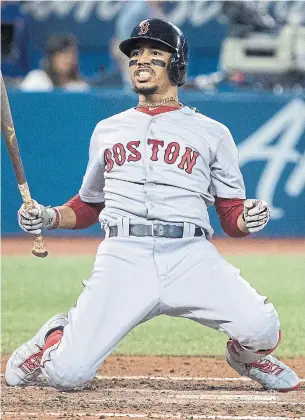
x,y
167,34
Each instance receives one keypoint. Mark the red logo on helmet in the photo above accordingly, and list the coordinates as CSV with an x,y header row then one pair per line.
x,y
144,27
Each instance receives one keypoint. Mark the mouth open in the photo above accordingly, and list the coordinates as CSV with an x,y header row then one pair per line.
x,y
142,75
143,70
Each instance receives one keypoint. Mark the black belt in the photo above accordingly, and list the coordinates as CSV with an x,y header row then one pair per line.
x,y
156,229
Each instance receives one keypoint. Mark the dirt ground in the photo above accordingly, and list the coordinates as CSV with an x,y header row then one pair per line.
x,y
157,387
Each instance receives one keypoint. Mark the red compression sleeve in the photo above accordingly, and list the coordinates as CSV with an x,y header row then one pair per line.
x,y
86,213
228,210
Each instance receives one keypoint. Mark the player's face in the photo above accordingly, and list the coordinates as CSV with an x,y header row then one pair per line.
x,y
148,64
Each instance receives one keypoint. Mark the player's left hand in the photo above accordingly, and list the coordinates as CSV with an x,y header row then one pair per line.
x,y
256,214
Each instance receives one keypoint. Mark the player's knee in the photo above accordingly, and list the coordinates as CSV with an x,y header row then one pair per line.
x,y
65,376
259,336
65,381
268,328
262,330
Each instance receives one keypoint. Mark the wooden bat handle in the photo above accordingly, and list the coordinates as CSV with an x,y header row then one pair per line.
x,y
39,249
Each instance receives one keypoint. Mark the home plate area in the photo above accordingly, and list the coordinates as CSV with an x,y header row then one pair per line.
x,y
153,397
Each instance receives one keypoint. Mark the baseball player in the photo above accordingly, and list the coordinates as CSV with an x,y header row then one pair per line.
x,y
153,172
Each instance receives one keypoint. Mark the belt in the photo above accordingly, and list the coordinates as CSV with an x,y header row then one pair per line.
x,y
155,229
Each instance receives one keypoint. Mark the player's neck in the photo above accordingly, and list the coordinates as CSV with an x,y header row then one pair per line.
x,y
159,99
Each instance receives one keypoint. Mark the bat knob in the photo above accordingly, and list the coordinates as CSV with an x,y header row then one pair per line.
x,y
39,249
40,254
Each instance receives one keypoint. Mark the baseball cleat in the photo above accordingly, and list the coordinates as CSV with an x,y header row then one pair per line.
x,y
23,367
269,372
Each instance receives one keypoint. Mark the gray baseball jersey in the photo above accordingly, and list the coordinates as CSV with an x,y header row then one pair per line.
x,y
167,167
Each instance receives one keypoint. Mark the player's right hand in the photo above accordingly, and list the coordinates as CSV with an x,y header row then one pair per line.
x,y
256,214
36,219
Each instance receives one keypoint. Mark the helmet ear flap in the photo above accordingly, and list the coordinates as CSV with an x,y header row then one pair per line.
x,y
182,73
177,70
172,69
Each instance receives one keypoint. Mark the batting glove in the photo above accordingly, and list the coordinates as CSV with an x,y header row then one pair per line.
x,y
38,218
256,214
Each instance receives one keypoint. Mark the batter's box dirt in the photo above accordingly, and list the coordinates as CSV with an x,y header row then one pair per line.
x,y
158,388
154,398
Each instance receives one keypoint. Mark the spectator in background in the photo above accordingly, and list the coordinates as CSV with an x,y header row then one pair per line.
x,y
131,14
60,68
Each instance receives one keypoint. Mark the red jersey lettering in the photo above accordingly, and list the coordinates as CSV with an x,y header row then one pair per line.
x,y
171,153
135,155
119,154
155,147
108,160
189,159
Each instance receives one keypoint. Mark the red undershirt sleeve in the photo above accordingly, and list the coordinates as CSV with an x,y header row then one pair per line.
x,y
86,213
228,210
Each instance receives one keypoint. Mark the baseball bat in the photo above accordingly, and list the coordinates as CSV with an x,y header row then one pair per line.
x,y
9,135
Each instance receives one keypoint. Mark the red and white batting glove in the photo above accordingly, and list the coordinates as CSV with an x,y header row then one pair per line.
x,y
256,214
38,218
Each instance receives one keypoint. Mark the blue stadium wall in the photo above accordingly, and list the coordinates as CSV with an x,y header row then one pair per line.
x,y
54,129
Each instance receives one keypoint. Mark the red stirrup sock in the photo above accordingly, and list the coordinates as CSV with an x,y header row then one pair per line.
x,y
53,338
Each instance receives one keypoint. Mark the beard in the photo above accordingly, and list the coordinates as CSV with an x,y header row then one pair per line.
x,y
146,91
